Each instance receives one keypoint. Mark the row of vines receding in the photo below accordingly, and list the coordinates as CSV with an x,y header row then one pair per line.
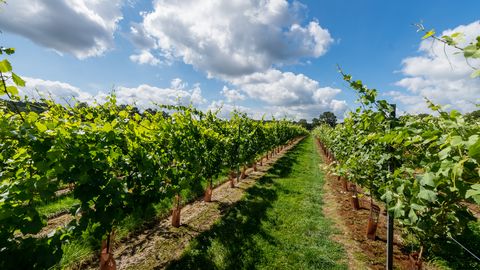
x,y
115,160
436,161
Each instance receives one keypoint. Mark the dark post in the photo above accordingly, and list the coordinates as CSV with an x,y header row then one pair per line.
x,y
391,167
389,241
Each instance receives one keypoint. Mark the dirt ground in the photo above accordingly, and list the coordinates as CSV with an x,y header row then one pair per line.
x,y
155,247
60,220
362,252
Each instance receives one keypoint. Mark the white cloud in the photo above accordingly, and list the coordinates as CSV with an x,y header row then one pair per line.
x,y
145,96
279,112
412,104
83,28
60,92
309,111
140,38
231,38
441,75
145,57
232,95
225,109
286,92
338,106
180,93
243,43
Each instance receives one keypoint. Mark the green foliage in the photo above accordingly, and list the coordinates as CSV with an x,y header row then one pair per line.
x,y
471,51
475,74
328,118
6,74
117,161
473,116
436,160
5,66
429,34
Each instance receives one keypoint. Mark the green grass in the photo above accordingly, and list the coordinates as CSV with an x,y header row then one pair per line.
x,y
61,204
84,247
279,224
74,253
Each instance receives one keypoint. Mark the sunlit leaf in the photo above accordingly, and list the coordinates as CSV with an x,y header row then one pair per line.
x,y
5,66
429,34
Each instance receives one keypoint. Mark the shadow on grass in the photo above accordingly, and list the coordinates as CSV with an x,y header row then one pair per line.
x,y
230,244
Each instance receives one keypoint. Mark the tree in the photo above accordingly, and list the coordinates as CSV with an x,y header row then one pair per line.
x,y
423,115
328,118
303,123
472,116
150,111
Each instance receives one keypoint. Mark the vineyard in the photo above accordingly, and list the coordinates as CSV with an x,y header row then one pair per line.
x,y
76,180
425,169
115,163
156,174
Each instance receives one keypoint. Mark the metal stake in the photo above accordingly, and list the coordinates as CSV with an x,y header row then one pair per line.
x,y
391,167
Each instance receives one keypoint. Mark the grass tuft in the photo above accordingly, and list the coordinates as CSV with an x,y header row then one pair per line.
x,y
63,204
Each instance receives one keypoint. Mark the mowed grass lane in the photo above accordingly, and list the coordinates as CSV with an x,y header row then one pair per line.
x,y
278,225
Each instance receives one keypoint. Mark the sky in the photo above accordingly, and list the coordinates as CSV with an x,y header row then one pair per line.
x,y
269,58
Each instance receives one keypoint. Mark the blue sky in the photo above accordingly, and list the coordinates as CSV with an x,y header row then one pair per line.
x,y
265,57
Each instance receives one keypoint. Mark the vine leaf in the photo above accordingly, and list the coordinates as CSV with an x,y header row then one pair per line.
x,y
474,193
475,74
427,180
429,34
474,151
413,217
17,80
5,66
41,127
427,195
471,51
12,90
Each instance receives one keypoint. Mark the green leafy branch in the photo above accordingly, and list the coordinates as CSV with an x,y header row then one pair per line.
x,y
471,51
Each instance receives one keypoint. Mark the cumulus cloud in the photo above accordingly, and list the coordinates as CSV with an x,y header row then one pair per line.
x,y
243,43
279,112
145,57
310,111
180,93
83,28
232,95
224,110
296,94
143,96
146,96
140,38
59,92
227,39
284,94
441,76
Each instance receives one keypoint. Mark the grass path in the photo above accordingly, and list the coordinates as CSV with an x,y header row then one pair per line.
x,y
278,225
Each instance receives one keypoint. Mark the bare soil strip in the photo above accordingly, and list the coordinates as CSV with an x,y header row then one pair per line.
x,y
362,252
155,247
60,220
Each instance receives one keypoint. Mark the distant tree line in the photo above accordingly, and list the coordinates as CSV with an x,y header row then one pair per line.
x,y
328,118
